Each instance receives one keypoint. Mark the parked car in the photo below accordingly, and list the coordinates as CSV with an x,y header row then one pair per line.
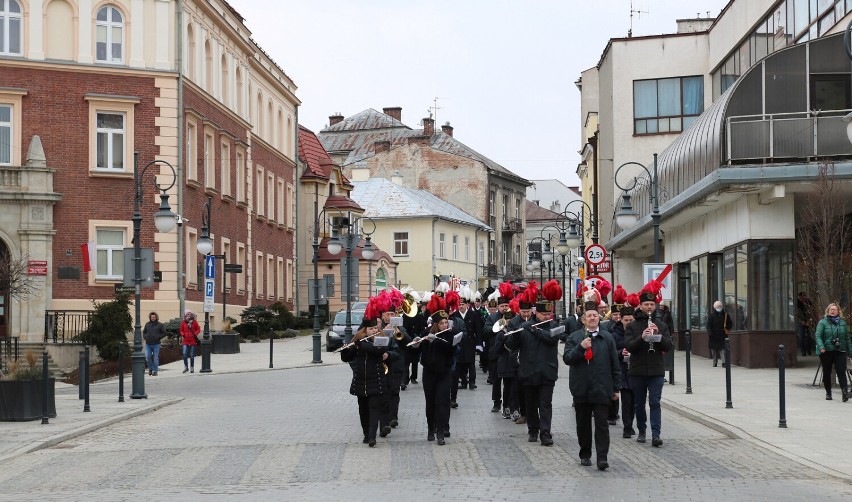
x,y
358,306
336,332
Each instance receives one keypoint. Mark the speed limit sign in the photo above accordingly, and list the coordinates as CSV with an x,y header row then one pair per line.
x,y
595,254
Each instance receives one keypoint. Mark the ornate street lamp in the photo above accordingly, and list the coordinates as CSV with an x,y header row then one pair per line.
x,y
626,216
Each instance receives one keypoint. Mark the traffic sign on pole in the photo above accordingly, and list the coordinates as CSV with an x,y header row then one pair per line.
x,y
595,254
209,267
208,295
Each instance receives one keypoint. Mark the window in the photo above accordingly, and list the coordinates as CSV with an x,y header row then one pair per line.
x,y
191,252
289,283
772,297
279,278
190,51
5,135
191,151
270,277
492,206
226,251
518,209
209,161
241,174
441,245
505,206
467,249
241,261
667,105
400,243
281,203
292,199
225,90
11,31
270,196
109,33
109,249
481,253
226,168
259,191
455,247
258,275
110,141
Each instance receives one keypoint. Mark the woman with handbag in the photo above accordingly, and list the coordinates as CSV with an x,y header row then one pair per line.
x,y
189,330
833,345
718,326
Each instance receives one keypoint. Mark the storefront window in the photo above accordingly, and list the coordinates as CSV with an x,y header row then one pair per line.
x,y
739,307
771,273
729,278
694,296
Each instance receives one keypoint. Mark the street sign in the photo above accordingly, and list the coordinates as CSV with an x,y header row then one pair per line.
x,y
209,267
604,268
233,268
146,264
595,254
208,295
124,290
353,286
660,272
323,293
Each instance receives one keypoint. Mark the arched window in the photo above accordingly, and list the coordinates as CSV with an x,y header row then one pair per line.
x,y
280,136
270,131
190,51
225,84
259,114
11,28
238,100
208,70
109,35
288,139
381,281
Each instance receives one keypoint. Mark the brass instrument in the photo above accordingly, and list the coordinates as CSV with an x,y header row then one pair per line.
x,y
409,306
397,334
500,325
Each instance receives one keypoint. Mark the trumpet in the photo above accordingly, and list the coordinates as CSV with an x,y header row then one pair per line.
x,y
500,325
397,334
347,345
430,337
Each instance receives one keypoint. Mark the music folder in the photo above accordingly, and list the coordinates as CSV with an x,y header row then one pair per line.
x,y
655,338
381,341
558,330
396,321
457,338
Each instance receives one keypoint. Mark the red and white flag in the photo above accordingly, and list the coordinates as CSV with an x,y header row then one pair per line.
x,y
88,252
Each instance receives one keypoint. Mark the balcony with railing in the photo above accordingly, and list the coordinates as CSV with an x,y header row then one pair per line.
x,y
513,225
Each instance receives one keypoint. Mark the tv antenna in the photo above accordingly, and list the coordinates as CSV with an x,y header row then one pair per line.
x,y
638,15
433,110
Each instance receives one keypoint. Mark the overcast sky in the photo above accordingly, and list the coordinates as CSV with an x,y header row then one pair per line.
x,y
503,71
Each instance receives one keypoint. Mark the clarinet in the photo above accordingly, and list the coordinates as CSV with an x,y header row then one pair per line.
x,y
651,318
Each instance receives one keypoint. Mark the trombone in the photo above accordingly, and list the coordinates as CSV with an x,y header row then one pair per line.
x,y
431,336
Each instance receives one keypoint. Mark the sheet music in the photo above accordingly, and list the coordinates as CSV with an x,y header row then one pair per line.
x,y
557,331
396,321
381,341
655,338
457,338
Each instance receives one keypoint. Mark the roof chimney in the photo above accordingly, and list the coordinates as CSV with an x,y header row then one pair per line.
x,y
393,111
335,119
448,129
428,126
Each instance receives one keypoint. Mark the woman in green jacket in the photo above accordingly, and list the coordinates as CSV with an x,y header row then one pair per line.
x,y
834,346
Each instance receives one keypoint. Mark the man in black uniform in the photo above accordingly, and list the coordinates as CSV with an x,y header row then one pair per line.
x,y
594,380
398,342
465,375
501,303
538,368
414,326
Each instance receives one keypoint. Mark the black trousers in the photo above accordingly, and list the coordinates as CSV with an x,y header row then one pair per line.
x,y
464,373
521,396
612,414
496,389
510,393
371,409
392,407
436,389
584,413
492,371
628,410
411,370
837,360
540,407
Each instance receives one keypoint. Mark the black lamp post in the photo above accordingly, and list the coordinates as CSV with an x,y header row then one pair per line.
x,y
165,221
536,259
626,216
351,237
205,247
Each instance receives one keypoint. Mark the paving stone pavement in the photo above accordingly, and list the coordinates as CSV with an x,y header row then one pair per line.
x,y
292,434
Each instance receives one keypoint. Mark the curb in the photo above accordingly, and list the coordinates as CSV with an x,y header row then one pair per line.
x,y
85,429
734,432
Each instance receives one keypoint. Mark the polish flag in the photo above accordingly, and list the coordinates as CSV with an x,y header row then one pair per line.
x,y
88,252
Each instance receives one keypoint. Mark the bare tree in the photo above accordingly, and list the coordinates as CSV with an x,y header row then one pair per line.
x,y
825,241
14,279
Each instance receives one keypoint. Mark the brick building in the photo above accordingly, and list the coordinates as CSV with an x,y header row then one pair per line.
x,y
82,87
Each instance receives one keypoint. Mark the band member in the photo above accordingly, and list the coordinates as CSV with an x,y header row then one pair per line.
x,y
370,379
523,308
465,374
539,366
500,301
507,369
646,360
616,329
594,380
398,342
414,326
628,406
436,355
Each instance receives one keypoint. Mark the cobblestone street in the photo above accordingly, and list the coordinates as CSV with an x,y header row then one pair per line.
x,y
294,434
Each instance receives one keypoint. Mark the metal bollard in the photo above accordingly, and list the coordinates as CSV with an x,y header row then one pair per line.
x,y
81,374
728,403
688,339
121,373
782,398
45,389
86,393
271,334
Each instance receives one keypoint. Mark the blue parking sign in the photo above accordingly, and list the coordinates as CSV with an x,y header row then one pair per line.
x,y
210,267
209,290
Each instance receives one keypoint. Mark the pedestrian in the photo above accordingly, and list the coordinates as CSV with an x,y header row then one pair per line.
x,y
594,380
539,366
414,326
153,333
436,355
369,359
834,347
718,328
189,330
647,339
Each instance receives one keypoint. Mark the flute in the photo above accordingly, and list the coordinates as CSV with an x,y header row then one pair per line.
x,y
531,326
346,346
429,336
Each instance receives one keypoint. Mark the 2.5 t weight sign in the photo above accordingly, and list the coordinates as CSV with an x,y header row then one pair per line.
x,y
595,254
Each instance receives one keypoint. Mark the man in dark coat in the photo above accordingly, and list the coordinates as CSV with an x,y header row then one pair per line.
x,y
397,368
465,374
538,370
501,305
414,326
718,326
594,379
647,370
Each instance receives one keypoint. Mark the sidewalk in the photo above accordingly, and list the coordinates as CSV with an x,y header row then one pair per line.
x,y
818,433
17,438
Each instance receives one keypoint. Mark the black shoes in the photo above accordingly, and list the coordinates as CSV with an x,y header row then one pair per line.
x,y
628,433
845,394
402,387
656,442
533,436
365,440
472,386
496,408
715,364
602,464
640,438
430,436
546,439
454,404
506,413
372,443
447,433
394,424
828,395
586,462
611,421
385,431
413,381
441,441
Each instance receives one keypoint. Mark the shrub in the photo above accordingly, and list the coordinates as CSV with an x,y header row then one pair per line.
x,y
29,371
108,327
256,319
284,319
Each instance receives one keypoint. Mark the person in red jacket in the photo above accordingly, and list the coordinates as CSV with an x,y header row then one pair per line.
x,y
189,330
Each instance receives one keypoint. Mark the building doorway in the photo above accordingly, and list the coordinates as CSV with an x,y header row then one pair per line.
x,y
4,296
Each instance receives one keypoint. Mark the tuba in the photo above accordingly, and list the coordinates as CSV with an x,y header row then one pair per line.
x,y
409,306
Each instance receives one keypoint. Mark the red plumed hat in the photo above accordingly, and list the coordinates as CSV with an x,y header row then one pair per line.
x,y
435,304
633,300
515,305
651,292
453,299
551,290
529,295
376,305
604,287
507,292
619,296
396,299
